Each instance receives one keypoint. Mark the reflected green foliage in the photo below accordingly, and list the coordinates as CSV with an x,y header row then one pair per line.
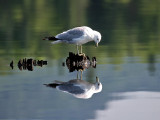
x,y
128,27
128,57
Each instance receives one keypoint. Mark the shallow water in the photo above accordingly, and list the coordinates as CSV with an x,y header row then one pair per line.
x,y
128,60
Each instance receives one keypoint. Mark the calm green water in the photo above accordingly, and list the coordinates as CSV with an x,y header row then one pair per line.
x,y
128,59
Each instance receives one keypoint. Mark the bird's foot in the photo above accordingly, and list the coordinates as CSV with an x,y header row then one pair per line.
x,y
81,54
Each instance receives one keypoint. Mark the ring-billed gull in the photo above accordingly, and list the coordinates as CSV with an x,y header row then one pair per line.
x,y
77,36
78,88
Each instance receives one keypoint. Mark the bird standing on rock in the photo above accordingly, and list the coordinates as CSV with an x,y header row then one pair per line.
x,y
77,36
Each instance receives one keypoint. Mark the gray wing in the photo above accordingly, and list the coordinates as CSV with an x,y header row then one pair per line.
x,y
71,88
71,34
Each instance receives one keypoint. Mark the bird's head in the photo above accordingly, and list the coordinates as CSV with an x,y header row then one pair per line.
x,y
98,86
97,37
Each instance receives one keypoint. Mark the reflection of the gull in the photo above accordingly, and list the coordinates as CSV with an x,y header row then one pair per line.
x,y
78,87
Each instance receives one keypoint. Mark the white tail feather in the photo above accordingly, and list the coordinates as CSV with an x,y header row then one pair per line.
x,y
56,42
58,82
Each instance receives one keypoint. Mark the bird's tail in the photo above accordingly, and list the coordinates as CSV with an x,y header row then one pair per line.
x,y
52,85
50,38
57,41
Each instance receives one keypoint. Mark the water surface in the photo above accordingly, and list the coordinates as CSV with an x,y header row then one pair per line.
x,y
128,59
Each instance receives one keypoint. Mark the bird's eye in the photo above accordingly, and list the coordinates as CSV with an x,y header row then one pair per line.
x,y
98,84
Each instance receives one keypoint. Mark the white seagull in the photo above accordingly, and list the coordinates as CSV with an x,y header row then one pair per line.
x,y
77,36
78,88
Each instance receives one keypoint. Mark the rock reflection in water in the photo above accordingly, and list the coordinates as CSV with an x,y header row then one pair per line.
x,y
27,64
11,64
77,87
79,62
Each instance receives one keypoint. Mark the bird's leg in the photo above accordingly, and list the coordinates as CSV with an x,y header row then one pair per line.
x,y
81,53
81,49
77,74
81,74
77,49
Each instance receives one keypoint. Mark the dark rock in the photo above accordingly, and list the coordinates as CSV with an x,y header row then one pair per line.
x,y
11,64
79,62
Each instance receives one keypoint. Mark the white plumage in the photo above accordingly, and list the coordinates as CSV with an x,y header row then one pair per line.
x,y
78,88
77,36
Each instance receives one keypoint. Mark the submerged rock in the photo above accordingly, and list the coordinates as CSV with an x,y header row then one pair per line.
x,y
11,64
79,62
27,64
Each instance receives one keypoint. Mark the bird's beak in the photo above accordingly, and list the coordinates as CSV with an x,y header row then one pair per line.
x,y
96,44
97,79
